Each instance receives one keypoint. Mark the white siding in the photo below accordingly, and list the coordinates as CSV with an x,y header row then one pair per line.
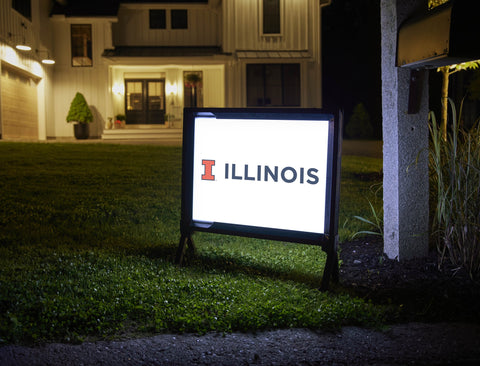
x,y
300,31
214,87
92,81
133,29
243,26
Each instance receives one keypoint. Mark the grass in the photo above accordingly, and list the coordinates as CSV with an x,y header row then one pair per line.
x,y
88,233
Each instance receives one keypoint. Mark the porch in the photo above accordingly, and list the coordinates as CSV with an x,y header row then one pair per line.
x,y
144,132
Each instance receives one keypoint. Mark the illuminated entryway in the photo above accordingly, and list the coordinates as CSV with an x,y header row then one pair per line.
x,y
145,101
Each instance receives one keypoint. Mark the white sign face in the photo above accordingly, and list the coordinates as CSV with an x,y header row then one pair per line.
x,y
264,173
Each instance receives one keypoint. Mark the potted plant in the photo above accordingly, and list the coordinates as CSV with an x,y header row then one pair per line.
x,y
120,121
81,115
192,81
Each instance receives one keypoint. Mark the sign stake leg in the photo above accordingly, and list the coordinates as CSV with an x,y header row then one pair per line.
x,y
185,241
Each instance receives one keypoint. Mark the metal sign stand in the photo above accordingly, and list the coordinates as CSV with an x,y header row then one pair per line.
x,y
185,242
331,271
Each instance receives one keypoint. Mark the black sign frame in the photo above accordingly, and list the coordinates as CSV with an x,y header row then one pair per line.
x,y
328,240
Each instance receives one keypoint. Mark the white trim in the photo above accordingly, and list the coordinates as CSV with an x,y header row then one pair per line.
x,y
156,61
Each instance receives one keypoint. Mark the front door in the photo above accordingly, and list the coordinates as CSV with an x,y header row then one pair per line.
x,y
145,101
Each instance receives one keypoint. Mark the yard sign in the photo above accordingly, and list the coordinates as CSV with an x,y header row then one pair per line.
x,y
263,173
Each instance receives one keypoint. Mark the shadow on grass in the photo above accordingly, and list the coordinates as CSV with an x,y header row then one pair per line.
x,y
217,263
224,263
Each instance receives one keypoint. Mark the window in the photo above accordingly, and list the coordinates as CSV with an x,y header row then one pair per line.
x,y
273,85
158,19
81,43
24,7
179,19
271,17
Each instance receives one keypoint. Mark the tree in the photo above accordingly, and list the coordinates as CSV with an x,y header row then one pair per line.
x,y
446,72
359,125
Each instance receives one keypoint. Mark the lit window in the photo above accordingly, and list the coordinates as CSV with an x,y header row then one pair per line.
x,y
81,45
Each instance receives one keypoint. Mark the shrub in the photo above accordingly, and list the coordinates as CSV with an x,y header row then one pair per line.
x,y
455,179
79,110
359,125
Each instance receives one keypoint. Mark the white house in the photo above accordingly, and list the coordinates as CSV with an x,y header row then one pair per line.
x,y
147,60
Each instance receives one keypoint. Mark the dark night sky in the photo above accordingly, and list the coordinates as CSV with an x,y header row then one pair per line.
x,y
351,57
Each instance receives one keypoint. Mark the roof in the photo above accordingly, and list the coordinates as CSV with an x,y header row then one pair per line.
x,y
95,8
273,54
85,8
160,51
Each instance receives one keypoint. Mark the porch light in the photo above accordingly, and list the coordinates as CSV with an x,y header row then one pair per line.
x,y
172,89
118,89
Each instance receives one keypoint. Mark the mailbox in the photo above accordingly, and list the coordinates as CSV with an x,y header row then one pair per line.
x,y
446,35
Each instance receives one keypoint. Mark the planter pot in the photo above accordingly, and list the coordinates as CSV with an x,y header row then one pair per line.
x,y
81,131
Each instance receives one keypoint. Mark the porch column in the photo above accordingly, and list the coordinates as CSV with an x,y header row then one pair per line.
x,y
405,137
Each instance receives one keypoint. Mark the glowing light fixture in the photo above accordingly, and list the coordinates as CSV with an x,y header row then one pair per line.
x,y
48,60
172,88
23,46
45,60
118,89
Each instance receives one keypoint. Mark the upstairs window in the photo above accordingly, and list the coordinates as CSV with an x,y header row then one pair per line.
x,y
179,19
158,19
271,17
24,7
81,43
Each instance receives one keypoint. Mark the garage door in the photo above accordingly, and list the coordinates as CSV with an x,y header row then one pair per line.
x,y
18,105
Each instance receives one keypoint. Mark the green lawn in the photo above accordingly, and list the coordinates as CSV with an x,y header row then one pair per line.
x,y
88,234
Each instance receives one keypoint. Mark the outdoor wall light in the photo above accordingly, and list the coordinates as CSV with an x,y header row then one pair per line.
x,y
20,45
23,47
172,89
47,60
118,89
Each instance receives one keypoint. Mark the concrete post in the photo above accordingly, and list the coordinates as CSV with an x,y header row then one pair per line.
x,y
405,138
